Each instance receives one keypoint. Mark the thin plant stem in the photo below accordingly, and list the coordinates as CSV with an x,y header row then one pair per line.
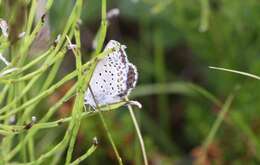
x,y
84,156
39,71
160,75
77,109
31,16
205,13
237,72
106,128
103,28
25,90
216,126
138,133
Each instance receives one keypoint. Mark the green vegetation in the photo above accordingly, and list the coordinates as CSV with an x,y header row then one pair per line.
x,y
198,82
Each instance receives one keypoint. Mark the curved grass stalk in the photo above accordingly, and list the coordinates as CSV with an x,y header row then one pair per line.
x,y
41,70
138,133
3,93
30,64
27,43
52,110
40,96
52,124
25,90
204,15
103,28
31,16
44,119
84,156
215,127
48,125
237,72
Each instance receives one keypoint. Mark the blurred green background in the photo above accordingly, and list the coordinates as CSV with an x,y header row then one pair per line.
x,y
173,43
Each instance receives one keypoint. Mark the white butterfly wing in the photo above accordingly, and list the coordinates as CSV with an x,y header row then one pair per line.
x,y
113,78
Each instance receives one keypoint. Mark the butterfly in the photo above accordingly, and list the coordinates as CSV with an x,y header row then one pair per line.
x,y
113,78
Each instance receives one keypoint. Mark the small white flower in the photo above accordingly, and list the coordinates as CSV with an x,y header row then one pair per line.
x,y
34,119
57,40
113,13
71,46
4,27
12,119
21,35
4,60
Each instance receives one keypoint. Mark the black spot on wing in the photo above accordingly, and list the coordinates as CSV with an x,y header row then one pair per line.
x,y
130,81
131,77
123,56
